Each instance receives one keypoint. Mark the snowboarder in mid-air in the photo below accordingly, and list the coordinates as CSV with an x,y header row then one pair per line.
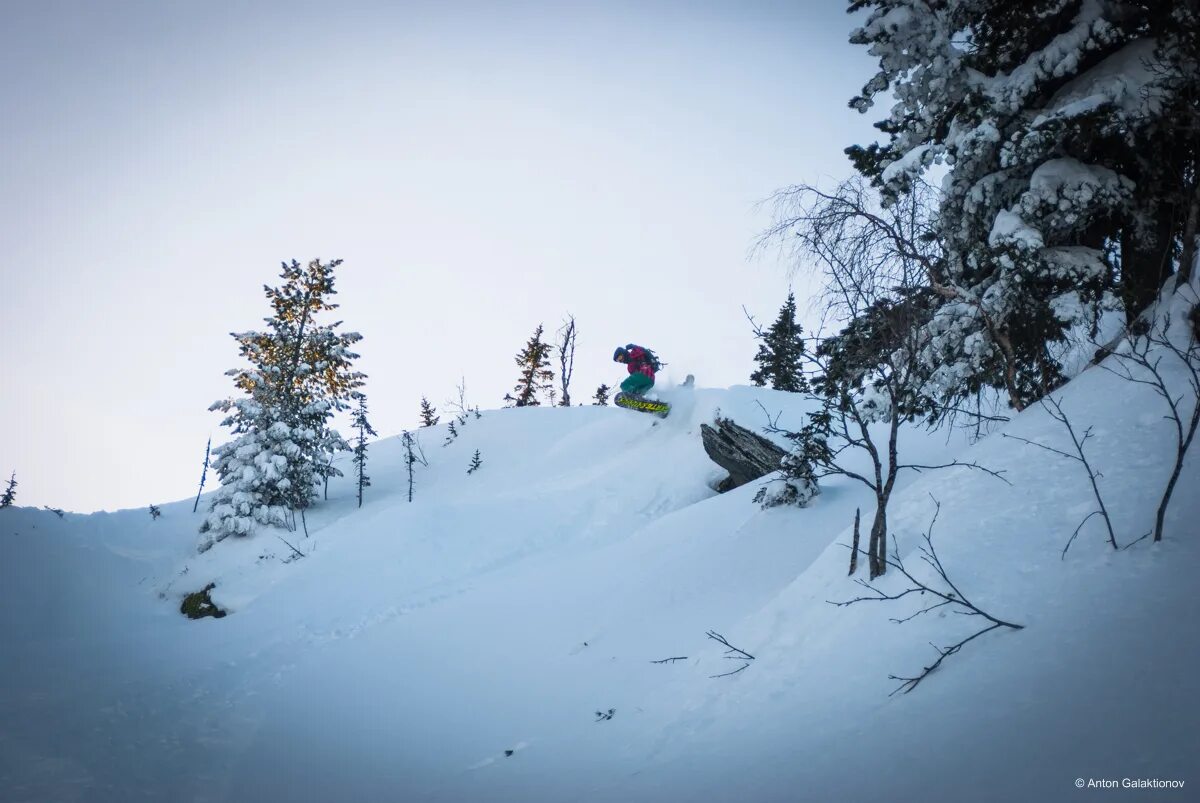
x,y
642,365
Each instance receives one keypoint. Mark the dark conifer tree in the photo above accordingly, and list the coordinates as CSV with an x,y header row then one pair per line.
x,y
10,493
1069,128
359,421
536,376
429,416
600,399
781,352
476,462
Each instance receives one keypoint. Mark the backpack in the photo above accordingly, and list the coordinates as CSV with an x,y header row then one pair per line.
x,y
651,357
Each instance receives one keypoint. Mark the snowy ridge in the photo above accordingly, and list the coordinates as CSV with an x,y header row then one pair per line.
x,y
503,611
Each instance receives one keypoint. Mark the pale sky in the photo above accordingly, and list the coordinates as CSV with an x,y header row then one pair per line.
x,y
480,167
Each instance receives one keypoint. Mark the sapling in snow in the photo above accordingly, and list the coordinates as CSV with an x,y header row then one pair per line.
x,y
476,462
203,473
429,416
10,492
359,422
536,377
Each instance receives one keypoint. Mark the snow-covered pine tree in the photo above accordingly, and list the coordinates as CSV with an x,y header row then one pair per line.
x,y
780,355
359,422
1070,171
536,376
600,398
10,492
429,416
300,375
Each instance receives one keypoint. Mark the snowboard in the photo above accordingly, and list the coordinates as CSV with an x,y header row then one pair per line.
x,y
642,405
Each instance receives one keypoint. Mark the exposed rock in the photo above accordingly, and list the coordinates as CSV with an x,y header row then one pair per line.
x,y
744,454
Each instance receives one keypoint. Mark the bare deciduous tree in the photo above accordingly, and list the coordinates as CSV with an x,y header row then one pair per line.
x,y
869,378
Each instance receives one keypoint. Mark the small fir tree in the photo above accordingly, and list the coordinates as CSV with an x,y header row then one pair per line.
x,y
155,512
10,493
536,377
476,462
452,434
780,355
601,397
429,416
359,422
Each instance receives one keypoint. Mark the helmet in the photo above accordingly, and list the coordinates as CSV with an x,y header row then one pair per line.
x,y
620,355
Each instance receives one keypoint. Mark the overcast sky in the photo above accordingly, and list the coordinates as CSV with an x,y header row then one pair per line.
x,y
480,167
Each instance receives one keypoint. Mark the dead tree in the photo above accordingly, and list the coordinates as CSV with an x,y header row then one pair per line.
x,y
1078,439
945,594
566,358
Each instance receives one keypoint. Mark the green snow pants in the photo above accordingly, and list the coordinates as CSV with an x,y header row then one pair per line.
x,y
637,384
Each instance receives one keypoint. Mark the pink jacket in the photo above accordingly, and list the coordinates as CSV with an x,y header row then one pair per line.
x,y
638,363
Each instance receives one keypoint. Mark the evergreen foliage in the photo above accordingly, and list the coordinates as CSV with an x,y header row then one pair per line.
x,y
10,492
359,422
429,416
300,375
476,462
536,377
780,355
1070,131
600,399
155,512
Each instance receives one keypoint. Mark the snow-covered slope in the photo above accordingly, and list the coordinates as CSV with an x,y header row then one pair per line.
x,y
459,647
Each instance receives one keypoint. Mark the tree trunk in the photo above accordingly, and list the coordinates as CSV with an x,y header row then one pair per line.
x,y
1146,265
854,545
877,548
